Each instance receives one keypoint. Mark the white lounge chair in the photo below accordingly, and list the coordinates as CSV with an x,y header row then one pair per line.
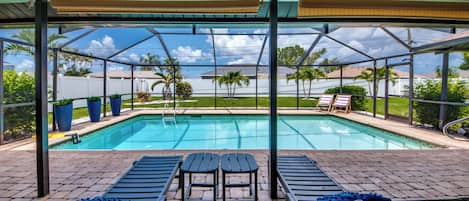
x,y
342,103
325,101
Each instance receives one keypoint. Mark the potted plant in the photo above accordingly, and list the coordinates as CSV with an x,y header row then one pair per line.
x,y
94,108
115,104
63,114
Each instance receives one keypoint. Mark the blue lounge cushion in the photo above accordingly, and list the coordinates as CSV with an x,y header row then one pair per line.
x,y
349,196
99,199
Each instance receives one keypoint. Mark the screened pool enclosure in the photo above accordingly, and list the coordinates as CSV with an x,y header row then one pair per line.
x,y
407,64
185,66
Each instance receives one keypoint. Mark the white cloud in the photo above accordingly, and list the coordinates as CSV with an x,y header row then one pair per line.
x,y
238,49
188,55
102,48
25,65
134,57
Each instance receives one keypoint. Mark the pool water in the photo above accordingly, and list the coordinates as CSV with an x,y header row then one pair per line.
x,y
314,132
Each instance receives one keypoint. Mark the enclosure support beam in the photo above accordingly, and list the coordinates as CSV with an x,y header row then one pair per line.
x,y
215,65
341,79
130,46
375,87
396,38
273,97
411,90
77,38
105,88
257,69
163,44
297,87
55,69
132,68
350,47
386,89
40,69
1,94
444,90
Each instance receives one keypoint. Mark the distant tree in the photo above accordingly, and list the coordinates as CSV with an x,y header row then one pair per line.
x,y
150,59
451,73
334,64
74,65
232,80
290,56
307,74
465,64
368,73
169,74
28,36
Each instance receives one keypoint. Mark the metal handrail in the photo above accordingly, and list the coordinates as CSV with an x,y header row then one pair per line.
x,y
445,128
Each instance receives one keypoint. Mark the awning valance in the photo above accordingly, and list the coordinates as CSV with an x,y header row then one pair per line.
x,y
155,6
448,9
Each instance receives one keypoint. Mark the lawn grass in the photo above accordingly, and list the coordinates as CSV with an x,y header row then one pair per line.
x,y
397,106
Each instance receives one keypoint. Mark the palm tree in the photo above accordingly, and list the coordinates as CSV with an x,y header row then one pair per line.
x,y
307,74
169,75
232,80
28,36
368,73
166,80
150,59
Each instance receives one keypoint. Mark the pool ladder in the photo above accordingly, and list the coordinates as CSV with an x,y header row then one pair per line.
x,y
168,116
445,129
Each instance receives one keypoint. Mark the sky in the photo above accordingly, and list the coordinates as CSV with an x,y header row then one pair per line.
x,y
240,48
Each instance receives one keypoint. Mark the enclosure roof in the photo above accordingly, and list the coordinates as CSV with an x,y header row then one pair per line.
x,y
456,42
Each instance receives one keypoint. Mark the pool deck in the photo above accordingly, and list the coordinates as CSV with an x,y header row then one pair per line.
x,y
400,174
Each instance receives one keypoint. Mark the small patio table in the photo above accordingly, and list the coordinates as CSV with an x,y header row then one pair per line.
x,y
199,163
239,163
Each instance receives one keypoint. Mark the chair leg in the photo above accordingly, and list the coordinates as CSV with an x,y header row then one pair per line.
x,y
223,186
215,186
181,177
250,184
255,186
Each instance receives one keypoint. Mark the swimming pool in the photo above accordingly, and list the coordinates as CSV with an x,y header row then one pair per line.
x,y
295,132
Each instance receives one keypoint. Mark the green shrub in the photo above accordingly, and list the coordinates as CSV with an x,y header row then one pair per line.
x,y
184,90
94,98
428,113
358,100
115,96
63,102
18,121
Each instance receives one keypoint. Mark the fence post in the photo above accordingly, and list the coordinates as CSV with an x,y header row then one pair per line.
x,y
105,88
411,90
375,87
1,94
54,85
341,78
386,89
132,87
444,90
40,72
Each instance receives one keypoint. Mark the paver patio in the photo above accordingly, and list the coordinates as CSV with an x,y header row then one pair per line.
x,y
402,175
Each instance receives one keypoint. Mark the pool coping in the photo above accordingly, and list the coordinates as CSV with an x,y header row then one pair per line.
x,y
428,136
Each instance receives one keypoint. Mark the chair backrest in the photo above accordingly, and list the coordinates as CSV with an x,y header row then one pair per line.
x,y
325,99
343,100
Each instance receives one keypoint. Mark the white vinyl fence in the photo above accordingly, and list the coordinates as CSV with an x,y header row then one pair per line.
x,y
82,87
